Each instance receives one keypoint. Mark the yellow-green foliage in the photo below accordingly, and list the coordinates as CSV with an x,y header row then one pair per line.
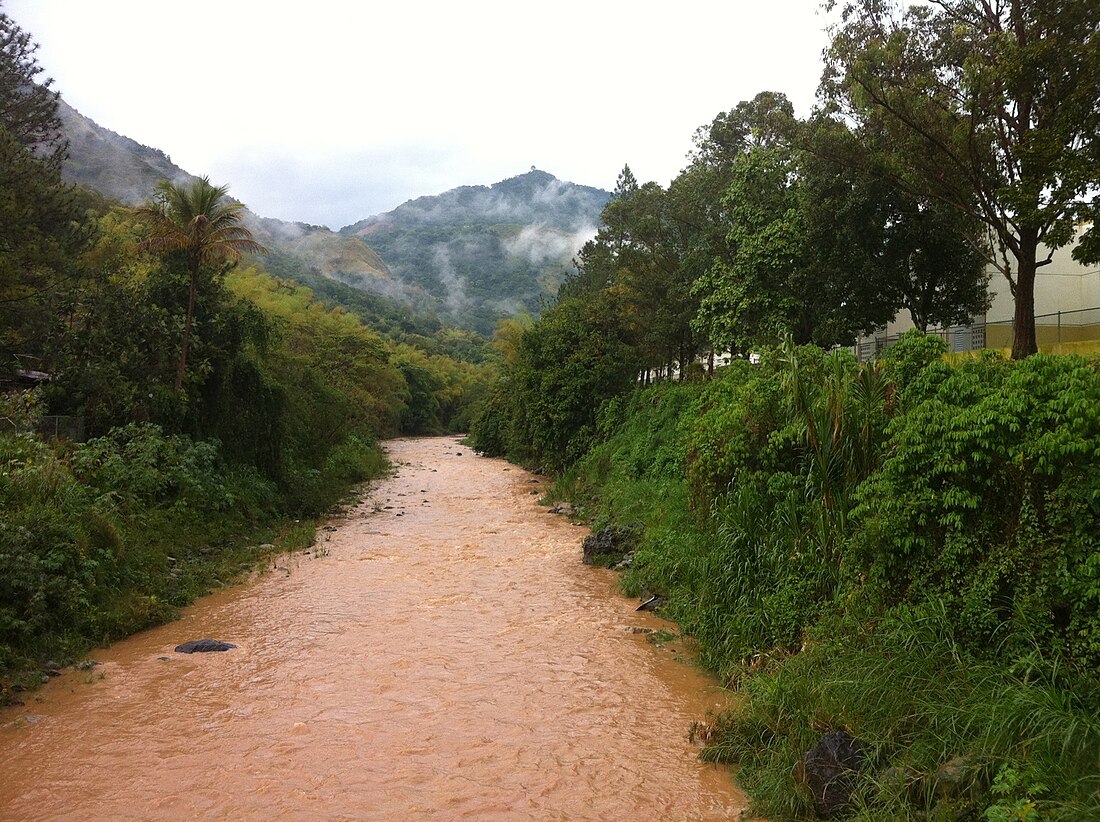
x,y
391,387
441,390
344,355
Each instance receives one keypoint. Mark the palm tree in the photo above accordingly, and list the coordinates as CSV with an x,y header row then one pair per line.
x,y
206,229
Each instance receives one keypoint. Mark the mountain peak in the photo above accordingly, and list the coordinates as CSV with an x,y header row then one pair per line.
x,y
534,197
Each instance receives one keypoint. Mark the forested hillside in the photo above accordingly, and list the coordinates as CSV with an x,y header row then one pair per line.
x,y
122,169
471,256
486,253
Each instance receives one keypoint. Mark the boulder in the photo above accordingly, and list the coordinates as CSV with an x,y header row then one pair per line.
x,y
953,779
829,770
609,545
203,646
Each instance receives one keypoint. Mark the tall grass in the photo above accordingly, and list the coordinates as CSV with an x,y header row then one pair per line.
x,y
908,689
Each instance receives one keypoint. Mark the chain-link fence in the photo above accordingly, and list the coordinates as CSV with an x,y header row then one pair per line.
x,y
1078,325
957,337
63,427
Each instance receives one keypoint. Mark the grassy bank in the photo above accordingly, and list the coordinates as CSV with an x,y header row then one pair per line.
x,y
907,552
102,539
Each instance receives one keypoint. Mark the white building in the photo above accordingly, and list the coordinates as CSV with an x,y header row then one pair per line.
x,y
1067,311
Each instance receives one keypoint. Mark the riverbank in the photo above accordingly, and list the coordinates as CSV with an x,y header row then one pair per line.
x,y
443,653
107,538
901,555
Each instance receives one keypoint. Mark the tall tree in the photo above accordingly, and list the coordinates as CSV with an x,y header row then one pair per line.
x,y
700,189
28,108
899,251
639,252
43,222
775,280
990,106
43,228
198,224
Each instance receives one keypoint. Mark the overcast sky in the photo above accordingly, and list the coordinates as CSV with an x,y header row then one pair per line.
x,y
336,110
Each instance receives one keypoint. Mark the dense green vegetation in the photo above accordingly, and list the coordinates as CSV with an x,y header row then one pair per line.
x,y
211,408
988,108
905,550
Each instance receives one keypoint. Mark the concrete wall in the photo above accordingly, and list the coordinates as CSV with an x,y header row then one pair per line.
x,y
1063,285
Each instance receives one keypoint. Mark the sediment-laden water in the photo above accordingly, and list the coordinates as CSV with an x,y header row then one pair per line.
x,y
442,654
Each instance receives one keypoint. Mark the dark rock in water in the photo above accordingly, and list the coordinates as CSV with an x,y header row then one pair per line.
x,y
829,770
86,665
610,545
203,646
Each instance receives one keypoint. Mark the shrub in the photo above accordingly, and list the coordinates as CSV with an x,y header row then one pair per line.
x,y
138,462
733,427
990,499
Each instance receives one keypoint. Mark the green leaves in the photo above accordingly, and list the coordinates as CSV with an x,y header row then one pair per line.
x,y
544,408
989,499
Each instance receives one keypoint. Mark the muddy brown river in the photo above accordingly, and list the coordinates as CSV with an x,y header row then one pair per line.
x,y
443,654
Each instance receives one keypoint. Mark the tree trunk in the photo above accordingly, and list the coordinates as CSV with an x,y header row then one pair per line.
x,y
1024,343
186,344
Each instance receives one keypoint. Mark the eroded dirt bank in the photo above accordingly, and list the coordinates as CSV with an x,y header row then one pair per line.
x,y
442,655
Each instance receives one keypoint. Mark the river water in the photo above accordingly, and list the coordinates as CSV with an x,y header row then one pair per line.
x,y
442,654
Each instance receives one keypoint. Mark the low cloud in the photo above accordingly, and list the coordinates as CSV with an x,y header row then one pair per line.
x,y
541,244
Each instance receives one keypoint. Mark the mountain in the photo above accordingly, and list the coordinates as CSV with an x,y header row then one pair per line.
x,y
483,252
111,164
128,171
472,255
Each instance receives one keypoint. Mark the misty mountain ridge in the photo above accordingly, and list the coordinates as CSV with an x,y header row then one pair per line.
x,y
486,252
473,254
534,198
114,165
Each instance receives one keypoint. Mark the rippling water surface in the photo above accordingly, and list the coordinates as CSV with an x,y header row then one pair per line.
x,y
443,654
